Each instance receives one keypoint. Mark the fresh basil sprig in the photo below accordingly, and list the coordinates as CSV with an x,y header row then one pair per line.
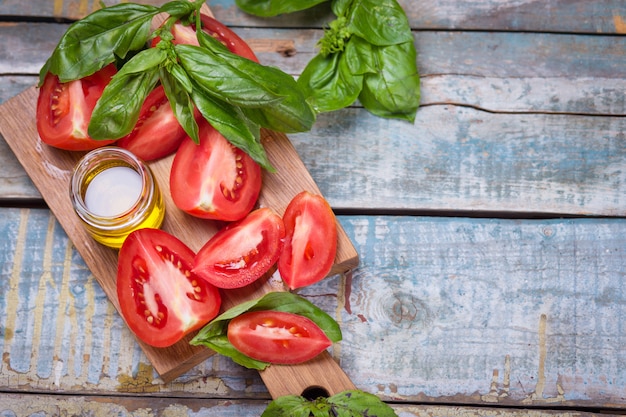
x,y
351,403
236,95
213,335
366,54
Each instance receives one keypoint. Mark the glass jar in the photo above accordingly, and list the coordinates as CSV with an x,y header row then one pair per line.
x,y
114,193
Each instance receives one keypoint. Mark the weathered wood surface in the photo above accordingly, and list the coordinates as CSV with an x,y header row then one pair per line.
x,y
523,113
506,125
476,311
98,406
580,16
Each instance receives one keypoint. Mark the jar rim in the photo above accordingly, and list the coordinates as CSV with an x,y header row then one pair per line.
x,y
99,160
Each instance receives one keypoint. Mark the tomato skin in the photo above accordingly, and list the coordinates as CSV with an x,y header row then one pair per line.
x,y
187,35
160,298
242,252
64,110
157,133
277,337
214,179
311,240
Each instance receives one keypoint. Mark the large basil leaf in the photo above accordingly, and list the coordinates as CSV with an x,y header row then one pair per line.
x,y
329,84
117,111
98,39
213,335
226,80
380,22
180,102
267,8
394,90
359,56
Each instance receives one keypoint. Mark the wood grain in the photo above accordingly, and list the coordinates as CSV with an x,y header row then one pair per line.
x,y
579,16
50,170
521,313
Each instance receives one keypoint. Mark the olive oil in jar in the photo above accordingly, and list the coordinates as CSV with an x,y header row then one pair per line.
x,y
115,193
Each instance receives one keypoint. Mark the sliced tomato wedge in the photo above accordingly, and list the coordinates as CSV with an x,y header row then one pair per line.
x,y
243,251
160,298
157,133
214,179
277,337
310,242
64,110
187,35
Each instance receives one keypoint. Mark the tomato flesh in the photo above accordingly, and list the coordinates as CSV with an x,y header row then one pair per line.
x,y
187,35
157,133
242,252
277,337
310,243
214,179
64,110
160,298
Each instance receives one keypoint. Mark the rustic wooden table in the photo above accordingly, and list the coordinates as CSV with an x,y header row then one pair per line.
x,y
491,232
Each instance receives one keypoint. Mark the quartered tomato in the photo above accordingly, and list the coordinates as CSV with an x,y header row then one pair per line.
x,y
243,251
187,35
157,133
64,110
310,242
160,298
214,179
277,337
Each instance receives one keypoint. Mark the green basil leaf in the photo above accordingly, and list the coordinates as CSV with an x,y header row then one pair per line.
x,y
288,406
341,7
179,9
380,22
233,125
96,40
267,8
359,403
329,84
117,111
213,335
267,95
221,345
223,79
393,91
181,104
359,56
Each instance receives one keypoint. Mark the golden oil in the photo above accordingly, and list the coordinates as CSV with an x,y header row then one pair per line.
x,y
114,193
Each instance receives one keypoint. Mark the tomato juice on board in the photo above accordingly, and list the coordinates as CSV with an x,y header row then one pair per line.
x,y
114,193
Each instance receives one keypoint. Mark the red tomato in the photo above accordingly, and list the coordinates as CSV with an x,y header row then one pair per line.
x,y
64,110
157,133
243,251
277,337
310,242
214,180
160,298
187,35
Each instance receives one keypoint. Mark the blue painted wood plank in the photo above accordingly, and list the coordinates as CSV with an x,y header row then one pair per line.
x,y
577,16
479,311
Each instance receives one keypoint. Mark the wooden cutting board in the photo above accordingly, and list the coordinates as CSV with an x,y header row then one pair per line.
x,y
50,170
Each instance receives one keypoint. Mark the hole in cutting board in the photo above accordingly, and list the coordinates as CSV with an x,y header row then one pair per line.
x,y
314,392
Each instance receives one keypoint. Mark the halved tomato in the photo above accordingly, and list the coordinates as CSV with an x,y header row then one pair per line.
x,y
310,242
277,337
157,133
160,298
64,110
187,35
243,251
214,179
